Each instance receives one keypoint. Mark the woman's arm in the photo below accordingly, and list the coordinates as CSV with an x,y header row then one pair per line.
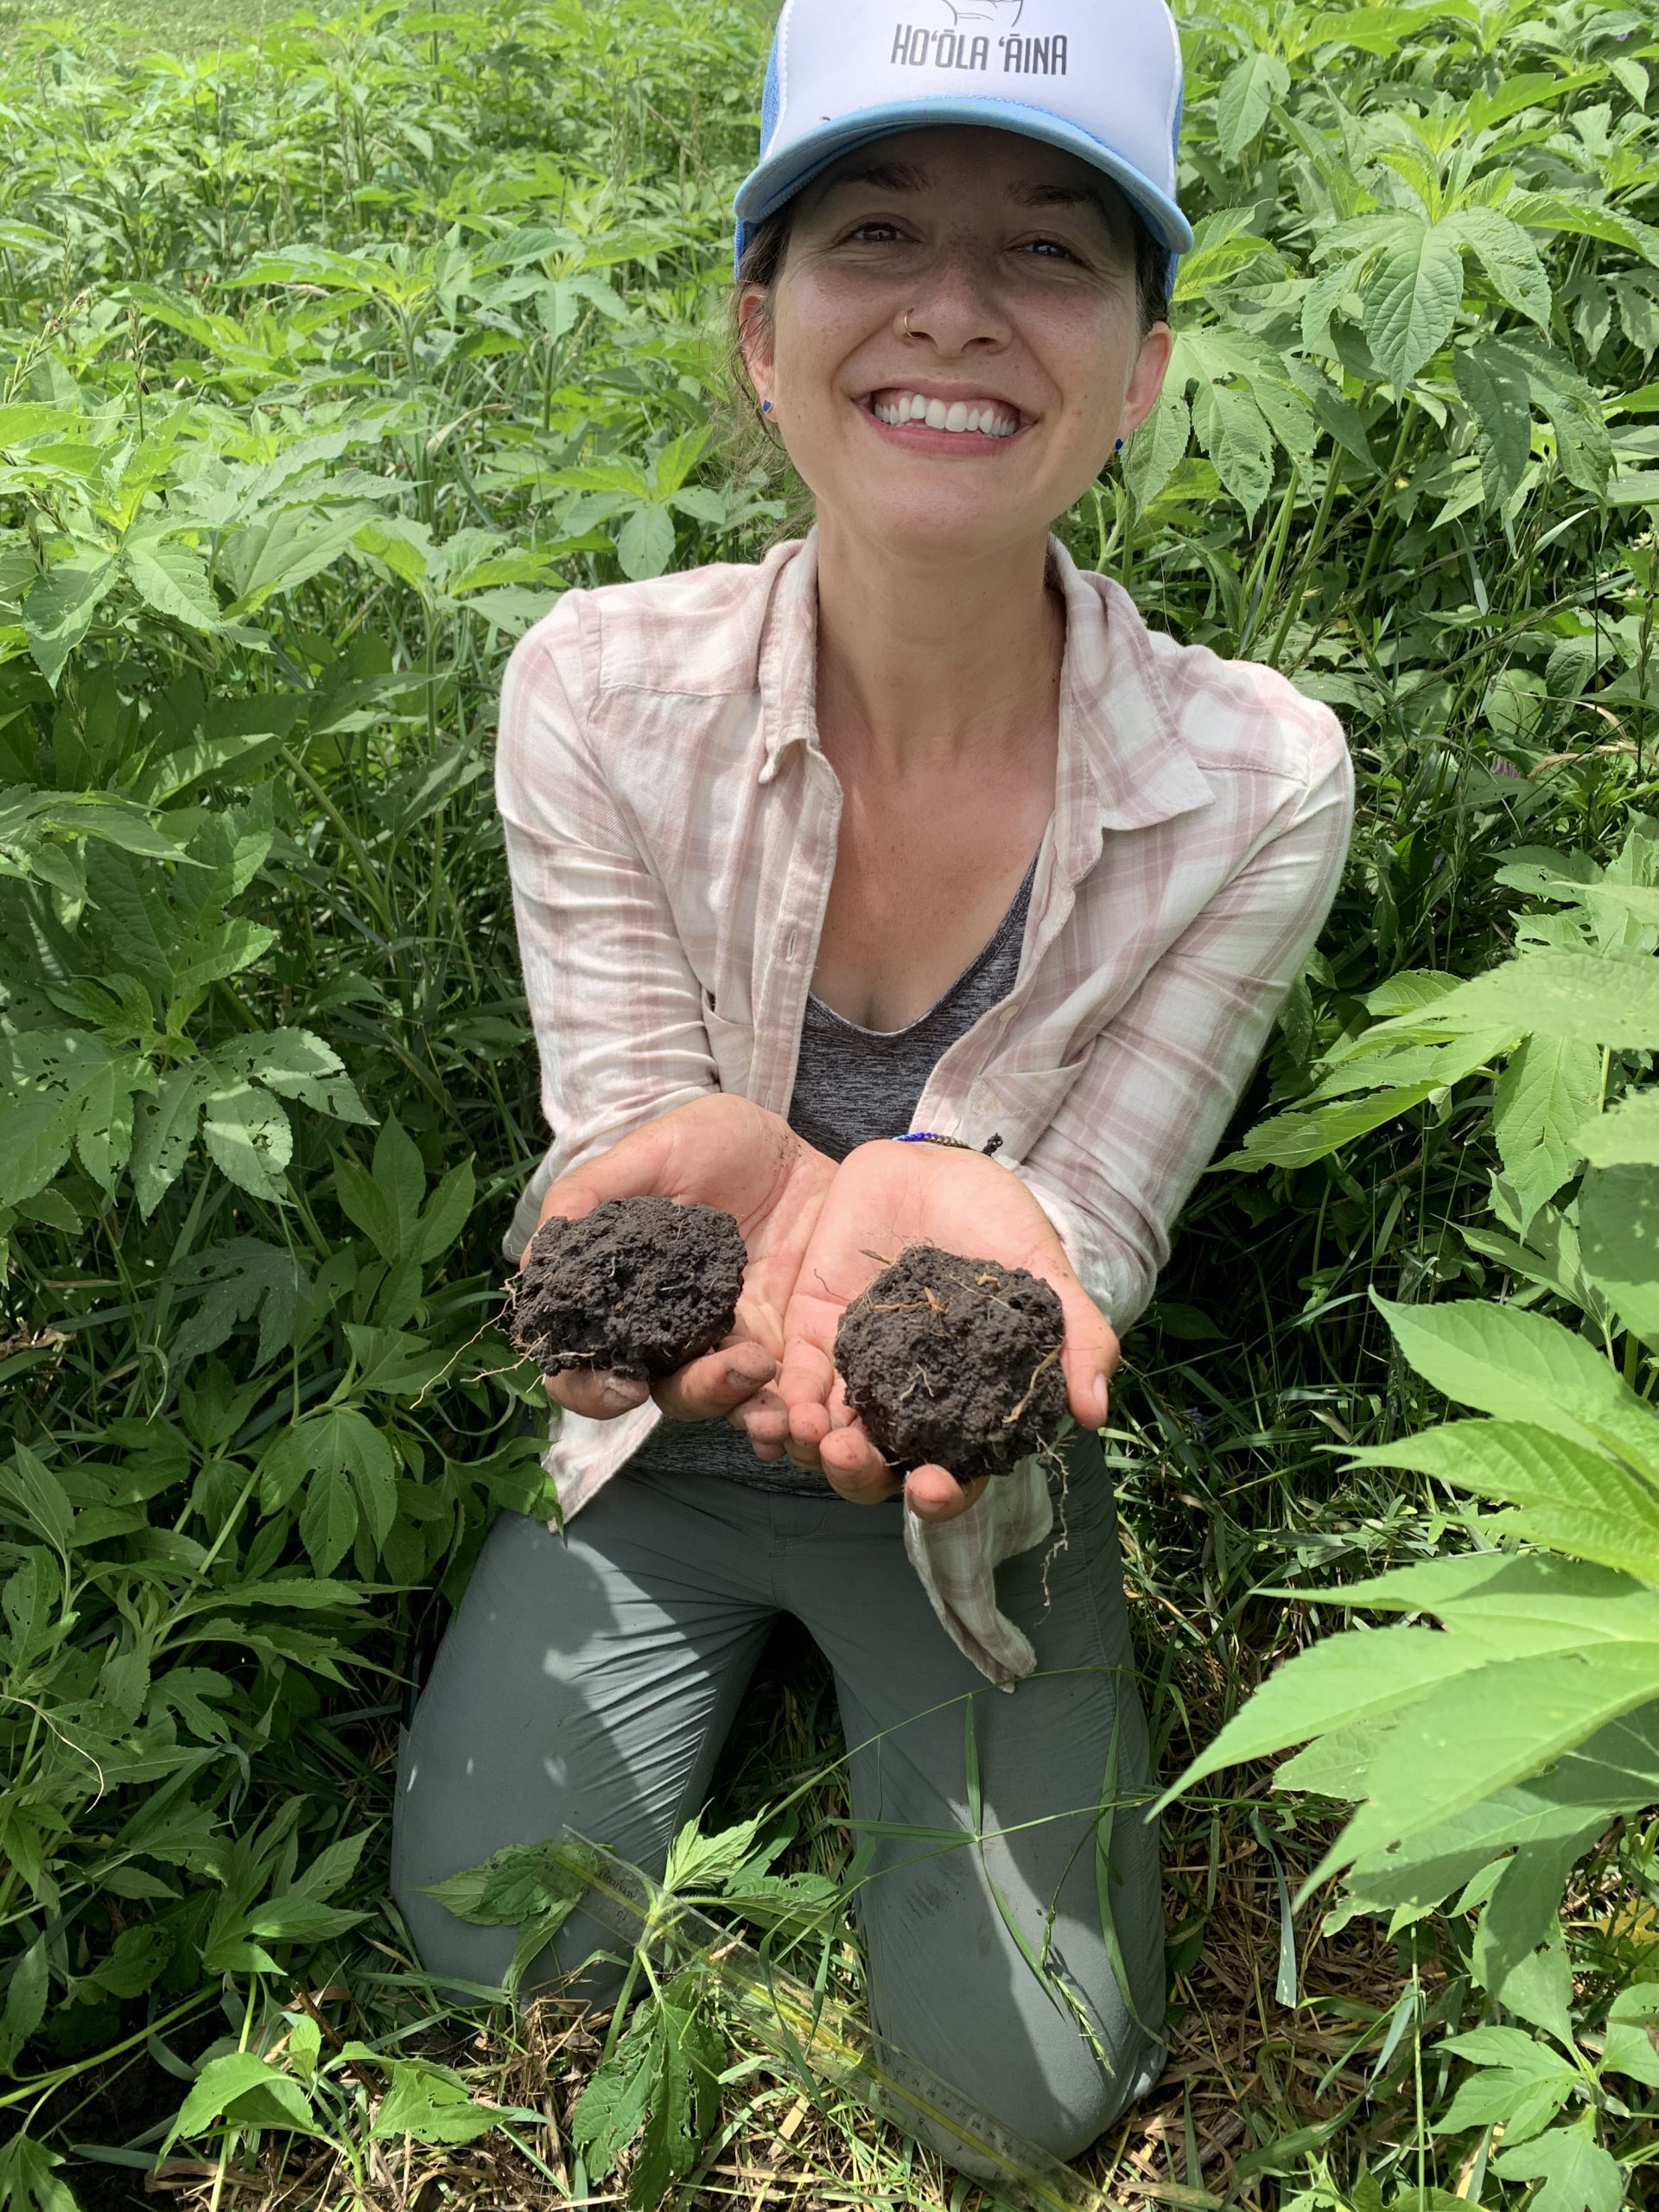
x,y
628,1082
616,1009
1138,1126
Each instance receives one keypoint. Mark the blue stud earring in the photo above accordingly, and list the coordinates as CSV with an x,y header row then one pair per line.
x,y
766,409
1118,447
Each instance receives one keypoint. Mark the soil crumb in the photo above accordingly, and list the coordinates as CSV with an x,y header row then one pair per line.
x,y
954,1362
637,1287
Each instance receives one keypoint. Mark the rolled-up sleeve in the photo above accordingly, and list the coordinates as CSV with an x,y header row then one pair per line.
x,y
615,1006
1139,1125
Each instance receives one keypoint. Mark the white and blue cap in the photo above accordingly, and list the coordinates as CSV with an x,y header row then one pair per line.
x,y
1101,78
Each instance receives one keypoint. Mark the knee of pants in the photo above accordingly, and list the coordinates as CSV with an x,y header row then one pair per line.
x,y
1062,2119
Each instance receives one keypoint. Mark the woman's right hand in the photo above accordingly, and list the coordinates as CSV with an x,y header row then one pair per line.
x,y
719,1151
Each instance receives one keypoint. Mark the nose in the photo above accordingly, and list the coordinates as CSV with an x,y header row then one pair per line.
x,y
956,306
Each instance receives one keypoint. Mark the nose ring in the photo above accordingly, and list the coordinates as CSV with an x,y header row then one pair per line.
x,y
907,323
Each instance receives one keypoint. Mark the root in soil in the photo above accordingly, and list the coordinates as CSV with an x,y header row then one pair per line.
x,y
638,1287
955,1363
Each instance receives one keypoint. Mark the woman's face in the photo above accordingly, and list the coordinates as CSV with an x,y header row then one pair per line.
x,y
1023,361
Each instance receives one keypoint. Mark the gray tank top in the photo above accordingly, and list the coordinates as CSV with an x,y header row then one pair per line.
x,y
851,1084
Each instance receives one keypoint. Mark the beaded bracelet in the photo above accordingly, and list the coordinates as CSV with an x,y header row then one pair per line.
x,y
931,1136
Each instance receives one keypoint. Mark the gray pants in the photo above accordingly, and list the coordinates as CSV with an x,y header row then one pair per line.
x,y
591,1679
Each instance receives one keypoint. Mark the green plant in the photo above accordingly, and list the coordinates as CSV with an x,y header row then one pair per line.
x,y
329,359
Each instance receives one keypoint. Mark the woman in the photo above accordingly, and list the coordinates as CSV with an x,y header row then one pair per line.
x,y
912,828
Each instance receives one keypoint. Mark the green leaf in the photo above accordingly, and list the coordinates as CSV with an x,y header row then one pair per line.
x,y
1618,1232
1626,1136
248,1138
646,544
1522,2100
1247,94
173,581
1522,1366
660,2083
1567,1497
29,2181
242,2088
347,1467
1297,1140
1228,425
1357,1676
1576,2174
1592,998
1413,298
1161,441
1495,1724
446,1213
1543,1095
1508,256
432,2104
58,609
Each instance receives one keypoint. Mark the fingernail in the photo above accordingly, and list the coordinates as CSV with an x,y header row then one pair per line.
x,y
1102,1399
620,1393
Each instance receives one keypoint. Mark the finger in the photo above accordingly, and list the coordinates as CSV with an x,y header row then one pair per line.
x,y
805,1382
706,1388
764,1418
595,1393
934,1493
1090,1353
856,1468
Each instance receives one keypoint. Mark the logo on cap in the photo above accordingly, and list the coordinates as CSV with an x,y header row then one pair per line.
x,y
1005,12
1007,52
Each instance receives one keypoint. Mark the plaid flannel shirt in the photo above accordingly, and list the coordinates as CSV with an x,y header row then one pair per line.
x,y
670,826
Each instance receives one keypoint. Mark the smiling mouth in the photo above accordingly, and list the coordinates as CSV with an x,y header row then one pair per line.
x,y
984,418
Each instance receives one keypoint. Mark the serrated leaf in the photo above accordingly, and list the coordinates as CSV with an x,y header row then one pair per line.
x,y
1627,1135
29,2181
1575,2172
172,579
1245,98
1413,298
241,2086
1230,427
1522,1366
1297,1140
1160,442
1618,1243
432,2104
1360,1675
1566,1496
1542,1097
248,1138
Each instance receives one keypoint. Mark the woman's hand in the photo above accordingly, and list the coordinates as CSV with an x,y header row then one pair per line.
x,y
886,1196
726,1151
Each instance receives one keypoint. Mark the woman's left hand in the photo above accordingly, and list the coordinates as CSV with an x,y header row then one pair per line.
x,y
887,1195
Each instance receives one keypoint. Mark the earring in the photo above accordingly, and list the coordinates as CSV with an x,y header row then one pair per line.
x,y
1118,447
766,409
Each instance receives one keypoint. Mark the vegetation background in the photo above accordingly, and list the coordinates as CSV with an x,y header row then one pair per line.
x,y
334,346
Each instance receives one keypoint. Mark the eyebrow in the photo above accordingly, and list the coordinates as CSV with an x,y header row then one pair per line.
x,y
906,176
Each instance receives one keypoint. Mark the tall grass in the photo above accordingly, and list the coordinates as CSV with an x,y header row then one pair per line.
x,y
330,358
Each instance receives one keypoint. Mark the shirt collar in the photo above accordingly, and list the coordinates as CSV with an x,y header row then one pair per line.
x,y
1122,763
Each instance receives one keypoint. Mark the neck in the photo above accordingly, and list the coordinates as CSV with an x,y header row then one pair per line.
x,y
927,663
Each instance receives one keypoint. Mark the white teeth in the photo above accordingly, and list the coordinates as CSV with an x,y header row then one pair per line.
x,y
987,419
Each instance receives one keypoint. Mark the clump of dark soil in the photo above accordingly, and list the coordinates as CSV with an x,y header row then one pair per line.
x,y
954,1362
638,1287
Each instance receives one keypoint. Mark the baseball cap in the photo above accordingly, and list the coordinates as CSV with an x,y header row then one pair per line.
x,y
1101,78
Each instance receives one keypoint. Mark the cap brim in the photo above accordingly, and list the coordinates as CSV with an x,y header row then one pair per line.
x,y
768,186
